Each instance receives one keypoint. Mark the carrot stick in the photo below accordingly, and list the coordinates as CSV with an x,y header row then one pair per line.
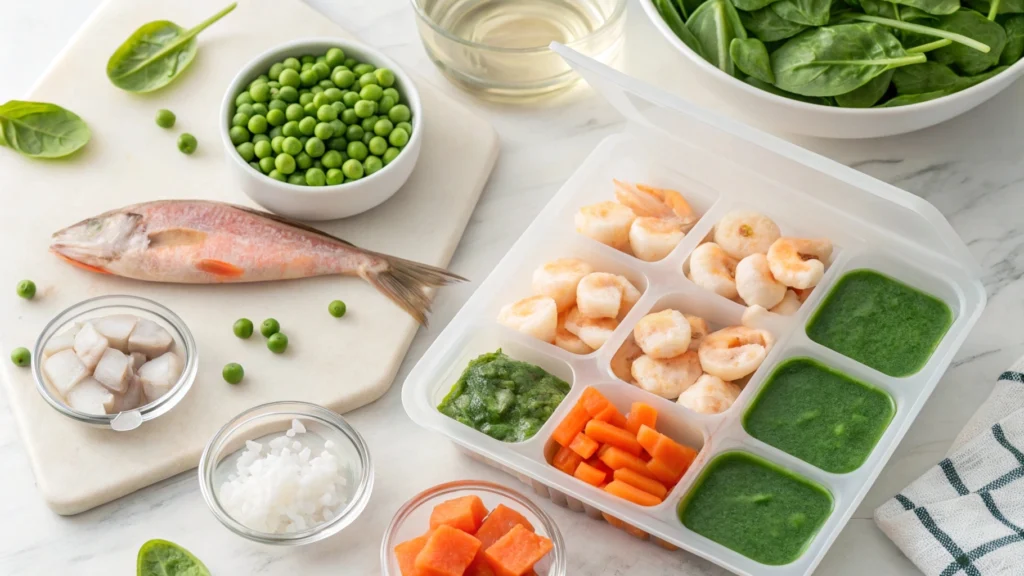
x,y
566,460
634,495
616,459
590,475
571,425
641,414
611,415
593,401
651,486
648,438
672,452
606,433
584,445
665,472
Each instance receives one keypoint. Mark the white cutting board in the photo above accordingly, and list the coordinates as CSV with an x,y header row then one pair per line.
x,y
339,363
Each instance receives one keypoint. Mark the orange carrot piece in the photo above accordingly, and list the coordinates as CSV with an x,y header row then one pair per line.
x,y
584,446
616,458
593,401
517,552
665,472
406,553
448,552
590,475
566,460
611,520
498,523
635,532
649,485
641,414
479,567
666,545
634,495
612,416
648,437
606,433
596,463
571,425
465,513
672,452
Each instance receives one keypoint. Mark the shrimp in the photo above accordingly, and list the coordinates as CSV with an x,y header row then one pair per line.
x,y
712,269
799,262
594,332
742,233
536,316
652,239
558,280
698,330
667,377
789,305
803,294
755,283
607,222
654,202
753,316
709,395
604,295
622,362
732,353
664,334
568,341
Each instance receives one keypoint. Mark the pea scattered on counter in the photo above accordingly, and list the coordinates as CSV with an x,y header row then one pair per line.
x,y
233,373
27,289
337,308
243,328
277,343
165,118
269,327
187,143
21,357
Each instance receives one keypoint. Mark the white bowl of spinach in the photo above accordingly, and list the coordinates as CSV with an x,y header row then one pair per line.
x,y
849,68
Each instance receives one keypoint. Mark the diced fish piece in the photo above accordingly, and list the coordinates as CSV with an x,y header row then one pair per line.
x,y
114,370
90,345
64,369
134,397
149,338
138,359
58,343
90,397
116,329
160,374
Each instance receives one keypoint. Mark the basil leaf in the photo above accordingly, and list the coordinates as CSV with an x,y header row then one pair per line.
x,y
768,26
1014,27
806,12
714,24
41,130
965,59
750,56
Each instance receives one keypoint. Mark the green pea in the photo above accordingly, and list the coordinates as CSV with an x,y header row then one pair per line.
x,y
278,176
26,289
292,63
277,144
316,177
333,95
240,119
350,62
291,145
350,98
310,109
337,126
368,123
339,107
306,98
405,126
238,134
307,126
245,109
371,92
393,94
389,155
246,151
288,94
297,179
363,68
260,92
367,137
335,177
367,79
260,138
255,166
316,90
357,150
269,327
294,112
243,98
348,116
306,66
385,105
309,77
303,160
337,308
268,164
277,343
353,169
242,328
165,118
372,164
326,113
378,146
277,104
398,137
334,57
275,70
261,78
303,139
323,131
275,117
258,124
365,108
232,373
383,127
322,70
332,159
21,357
354,132
338,143
284,163
385,77
291,129
400,113
321,58
308,59
321,100
315,147
317,164
263,149
343,78
275,132
187,143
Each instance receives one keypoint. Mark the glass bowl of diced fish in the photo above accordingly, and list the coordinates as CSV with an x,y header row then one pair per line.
x,y
286,473
115,361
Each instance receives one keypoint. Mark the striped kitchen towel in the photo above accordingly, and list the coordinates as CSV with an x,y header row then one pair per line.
x,y
965,516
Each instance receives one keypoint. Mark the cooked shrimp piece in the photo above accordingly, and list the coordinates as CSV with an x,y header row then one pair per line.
x,y
803,294
799,262
712,269
558,280
622,362
732,353
755,283
568,341
607,222
743,233
698,330
753,316
651,239
789,305
536,316
653,202
604,295
664,334
594,332
709,395
666,377
630,296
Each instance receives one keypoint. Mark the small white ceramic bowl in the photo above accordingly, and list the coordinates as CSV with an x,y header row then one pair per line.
x,y
323,202
787,115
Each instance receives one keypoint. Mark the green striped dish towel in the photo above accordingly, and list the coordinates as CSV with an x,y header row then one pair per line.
x,y
965,516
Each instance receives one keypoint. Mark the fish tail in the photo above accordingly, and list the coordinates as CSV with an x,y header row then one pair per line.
x,y
406,283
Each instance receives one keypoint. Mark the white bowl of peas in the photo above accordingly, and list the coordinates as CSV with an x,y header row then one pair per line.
x,y
321,128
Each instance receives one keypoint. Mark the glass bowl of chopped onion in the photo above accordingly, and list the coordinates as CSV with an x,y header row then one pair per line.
x,y
286,473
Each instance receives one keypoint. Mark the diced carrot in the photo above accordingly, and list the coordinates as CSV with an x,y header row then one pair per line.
x,y
517,552
606,433
566,460
649,485
593,401
634,495
596,463
448,552
666,545
672,452
611,520
584,446
616,458
465,513
479,567
612,416
590,475
648,437
573,423
635,532
498,523
641,414
406,553
665,472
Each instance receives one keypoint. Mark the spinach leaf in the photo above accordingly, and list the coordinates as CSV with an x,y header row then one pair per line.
x,y
675,23
752,5
779,92
1004,6
687,7
952,83
767,26
972,25
1014,27
41,130
155,54
715,23
834,60
869,94
806,12
751,57
926,77
907,99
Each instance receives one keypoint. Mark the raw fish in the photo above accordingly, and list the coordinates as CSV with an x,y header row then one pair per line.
x,y
160,374
116,329
114,370
90,397
61,341
133,398
150,339
138,359
90,345
64,369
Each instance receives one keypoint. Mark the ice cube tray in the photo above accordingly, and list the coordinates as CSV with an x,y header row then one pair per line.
x,y
719,165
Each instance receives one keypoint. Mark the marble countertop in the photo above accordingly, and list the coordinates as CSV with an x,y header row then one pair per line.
x,y
970,168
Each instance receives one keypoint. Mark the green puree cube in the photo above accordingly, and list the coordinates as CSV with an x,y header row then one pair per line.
x,y
755,508
819,415
880,322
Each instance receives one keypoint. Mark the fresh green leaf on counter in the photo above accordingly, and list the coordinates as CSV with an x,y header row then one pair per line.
x,y
41,130
163,558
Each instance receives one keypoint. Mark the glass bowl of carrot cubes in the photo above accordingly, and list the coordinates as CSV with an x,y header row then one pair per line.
x,y
472,528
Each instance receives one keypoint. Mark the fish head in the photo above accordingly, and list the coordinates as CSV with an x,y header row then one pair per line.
x,y
95,242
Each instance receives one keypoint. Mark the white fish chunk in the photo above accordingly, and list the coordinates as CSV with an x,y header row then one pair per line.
x,y
160,374
116,329
90,345
58,343
134,397
138,359
64,369
114,370
149,338
90,397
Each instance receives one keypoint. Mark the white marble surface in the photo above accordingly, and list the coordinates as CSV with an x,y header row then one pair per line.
x,y
971,168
